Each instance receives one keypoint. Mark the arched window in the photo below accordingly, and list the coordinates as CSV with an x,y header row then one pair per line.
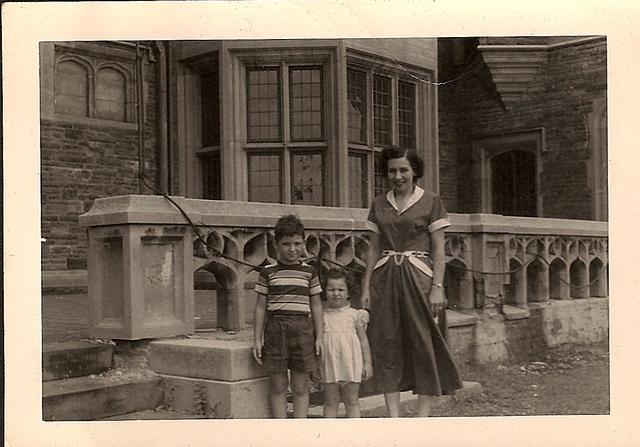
x,y
111,95
71,89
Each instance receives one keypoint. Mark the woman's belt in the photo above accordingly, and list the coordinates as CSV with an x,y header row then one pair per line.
x,y
416,258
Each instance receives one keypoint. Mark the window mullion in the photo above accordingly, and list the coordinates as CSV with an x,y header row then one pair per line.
x,y
394,111
92,93
286,134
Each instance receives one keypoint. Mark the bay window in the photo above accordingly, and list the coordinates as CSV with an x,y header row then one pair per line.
x,y
382,112
285,133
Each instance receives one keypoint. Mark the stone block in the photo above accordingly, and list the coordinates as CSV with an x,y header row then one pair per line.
x,y
74,359
218,399
515,313
91,398
206,359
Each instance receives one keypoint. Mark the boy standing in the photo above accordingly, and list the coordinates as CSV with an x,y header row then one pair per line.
x,y
288,296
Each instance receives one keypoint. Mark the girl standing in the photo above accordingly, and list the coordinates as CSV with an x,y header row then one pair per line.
x,y
346,358
403,287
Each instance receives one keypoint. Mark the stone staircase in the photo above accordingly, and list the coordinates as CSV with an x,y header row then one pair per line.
x,y
212,375
86,381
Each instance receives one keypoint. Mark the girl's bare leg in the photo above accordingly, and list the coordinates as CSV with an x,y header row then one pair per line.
x,y
351,398
300,389
424,405
331,400
278,394
393,404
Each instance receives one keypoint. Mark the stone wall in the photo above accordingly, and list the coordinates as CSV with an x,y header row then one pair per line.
x,y
495,338
82,160
559,99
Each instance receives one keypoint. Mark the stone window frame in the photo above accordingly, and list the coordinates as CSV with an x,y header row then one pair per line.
x,y
93,56
192,158
486,147
285,59
598,168
425,136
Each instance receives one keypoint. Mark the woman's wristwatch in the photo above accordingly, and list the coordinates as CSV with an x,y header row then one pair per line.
x,y
436,285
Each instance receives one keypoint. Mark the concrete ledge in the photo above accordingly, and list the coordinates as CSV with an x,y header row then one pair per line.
x,y
144,209
374,407
456,319
74,359
515,313
91,398
217,399
204,358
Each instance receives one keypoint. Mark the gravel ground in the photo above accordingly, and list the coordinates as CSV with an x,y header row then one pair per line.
x,y
567,380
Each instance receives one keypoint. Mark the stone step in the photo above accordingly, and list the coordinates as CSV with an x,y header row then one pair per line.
x,y
154,415
225,360
74,359
374,406
90,398
217,399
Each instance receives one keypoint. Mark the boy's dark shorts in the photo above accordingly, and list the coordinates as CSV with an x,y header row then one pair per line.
x,y
289,343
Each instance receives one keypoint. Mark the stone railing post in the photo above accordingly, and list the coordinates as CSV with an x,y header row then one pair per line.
x,y
140,272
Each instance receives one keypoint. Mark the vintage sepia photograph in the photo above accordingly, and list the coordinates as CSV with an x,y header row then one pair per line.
x,y
446,251
291,222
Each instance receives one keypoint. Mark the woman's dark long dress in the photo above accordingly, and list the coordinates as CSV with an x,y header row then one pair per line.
x,y
408,346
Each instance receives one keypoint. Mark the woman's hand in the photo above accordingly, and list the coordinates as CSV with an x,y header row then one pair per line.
x,y
319,346
367,371
437,300
365,298
257,350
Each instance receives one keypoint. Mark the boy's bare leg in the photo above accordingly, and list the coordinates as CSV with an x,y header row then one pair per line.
x,y
351,398
278,394
393,404
331,400
300,389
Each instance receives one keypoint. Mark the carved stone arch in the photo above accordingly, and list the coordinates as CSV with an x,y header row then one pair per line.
x,y
598,281
230,300
129,86
579,278
84,61
89,74
558,279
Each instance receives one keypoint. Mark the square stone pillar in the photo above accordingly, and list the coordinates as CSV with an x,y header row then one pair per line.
x,y
140,281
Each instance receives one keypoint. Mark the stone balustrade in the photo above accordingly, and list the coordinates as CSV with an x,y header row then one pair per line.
x,y
143,255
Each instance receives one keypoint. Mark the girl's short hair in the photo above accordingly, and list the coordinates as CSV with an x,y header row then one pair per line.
x,y
415,160
289,225
338,274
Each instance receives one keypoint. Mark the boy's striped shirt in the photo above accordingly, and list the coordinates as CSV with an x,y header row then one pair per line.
x,y
288,287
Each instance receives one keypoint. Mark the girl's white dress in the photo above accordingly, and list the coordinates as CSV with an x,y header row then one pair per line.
x,y
342,356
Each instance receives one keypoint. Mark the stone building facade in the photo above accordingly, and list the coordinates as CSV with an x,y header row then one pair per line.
x,y
524,118
302,122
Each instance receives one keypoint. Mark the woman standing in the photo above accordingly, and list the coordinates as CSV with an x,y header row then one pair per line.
x,y
403,288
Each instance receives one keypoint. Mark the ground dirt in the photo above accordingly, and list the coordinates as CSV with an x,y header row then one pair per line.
x,y
566,380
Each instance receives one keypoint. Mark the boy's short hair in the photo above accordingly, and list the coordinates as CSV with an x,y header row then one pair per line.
x,y
289,225
338,274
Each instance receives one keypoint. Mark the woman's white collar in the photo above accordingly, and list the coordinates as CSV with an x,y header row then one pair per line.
x,y
417,195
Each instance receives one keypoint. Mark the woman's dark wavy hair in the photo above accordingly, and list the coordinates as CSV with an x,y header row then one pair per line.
x,y
289,225
416,162
338,274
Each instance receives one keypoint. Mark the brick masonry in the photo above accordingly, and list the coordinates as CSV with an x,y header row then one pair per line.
x,y
81,162
559,99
